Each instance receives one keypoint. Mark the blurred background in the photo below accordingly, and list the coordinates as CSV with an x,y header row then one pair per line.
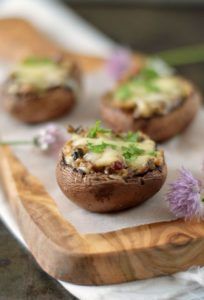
x,y
150,26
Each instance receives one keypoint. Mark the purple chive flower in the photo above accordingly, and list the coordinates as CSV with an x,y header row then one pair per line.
x,y
119,62
50,139
184,196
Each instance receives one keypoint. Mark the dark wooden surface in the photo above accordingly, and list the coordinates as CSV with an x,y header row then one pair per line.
x,y
149,28
20,276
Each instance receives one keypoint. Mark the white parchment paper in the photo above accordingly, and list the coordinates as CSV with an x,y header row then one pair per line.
x,y
186,150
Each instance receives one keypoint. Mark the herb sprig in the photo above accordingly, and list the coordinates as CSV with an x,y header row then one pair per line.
x,y
131,136
132,151
146,79
148,73
152,153
97,129
129,152
99,148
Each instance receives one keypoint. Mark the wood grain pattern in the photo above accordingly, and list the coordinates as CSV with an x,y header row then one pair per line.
x,y
95,259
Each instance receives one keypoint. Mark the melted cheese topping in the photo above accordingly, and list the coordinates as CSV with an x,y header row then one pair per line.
x,y
39,76
116,149
157,96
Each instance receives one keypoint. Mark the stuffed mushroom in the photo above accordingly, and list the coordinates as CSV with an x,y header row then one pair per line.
x,y
40,89
153,100
103,171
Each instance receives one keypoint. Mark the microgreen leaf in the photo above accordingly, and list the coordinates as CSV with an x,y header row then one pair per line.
x,y
97,128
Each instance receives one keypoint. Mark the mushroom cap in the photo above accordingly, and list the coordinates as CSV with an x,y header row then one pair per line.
x,y
158,128
98,192
41,106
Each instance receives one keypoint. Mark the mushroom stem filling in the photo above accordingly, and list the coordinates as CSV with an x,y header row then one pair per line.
x,y
101,150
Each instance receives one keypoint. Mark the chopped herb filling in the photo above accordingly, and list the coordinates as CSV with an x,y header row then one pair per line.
x,y
99,149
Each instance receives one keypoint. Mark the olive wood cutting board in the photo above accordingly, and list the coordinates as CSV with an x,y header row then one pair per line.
x,y
91,259
95,259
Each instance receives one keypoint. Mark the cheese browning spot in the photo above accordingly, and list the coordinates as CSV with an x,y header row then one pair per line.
x,y
105,151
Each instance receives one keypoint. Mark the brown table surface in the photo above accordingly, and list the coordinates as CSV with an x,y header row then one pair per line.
x,y
21,278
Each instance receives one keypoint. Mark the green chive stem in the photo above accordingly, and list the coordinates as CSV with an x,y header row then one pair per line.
x,y
183,55
15,143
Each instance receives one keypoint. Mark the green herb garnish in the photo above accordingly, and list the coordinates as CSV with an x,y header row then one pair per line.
x,y
131,136
151,87
97,129
124,92
145,79
32,61
148,73
132,152
152,153
100,147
